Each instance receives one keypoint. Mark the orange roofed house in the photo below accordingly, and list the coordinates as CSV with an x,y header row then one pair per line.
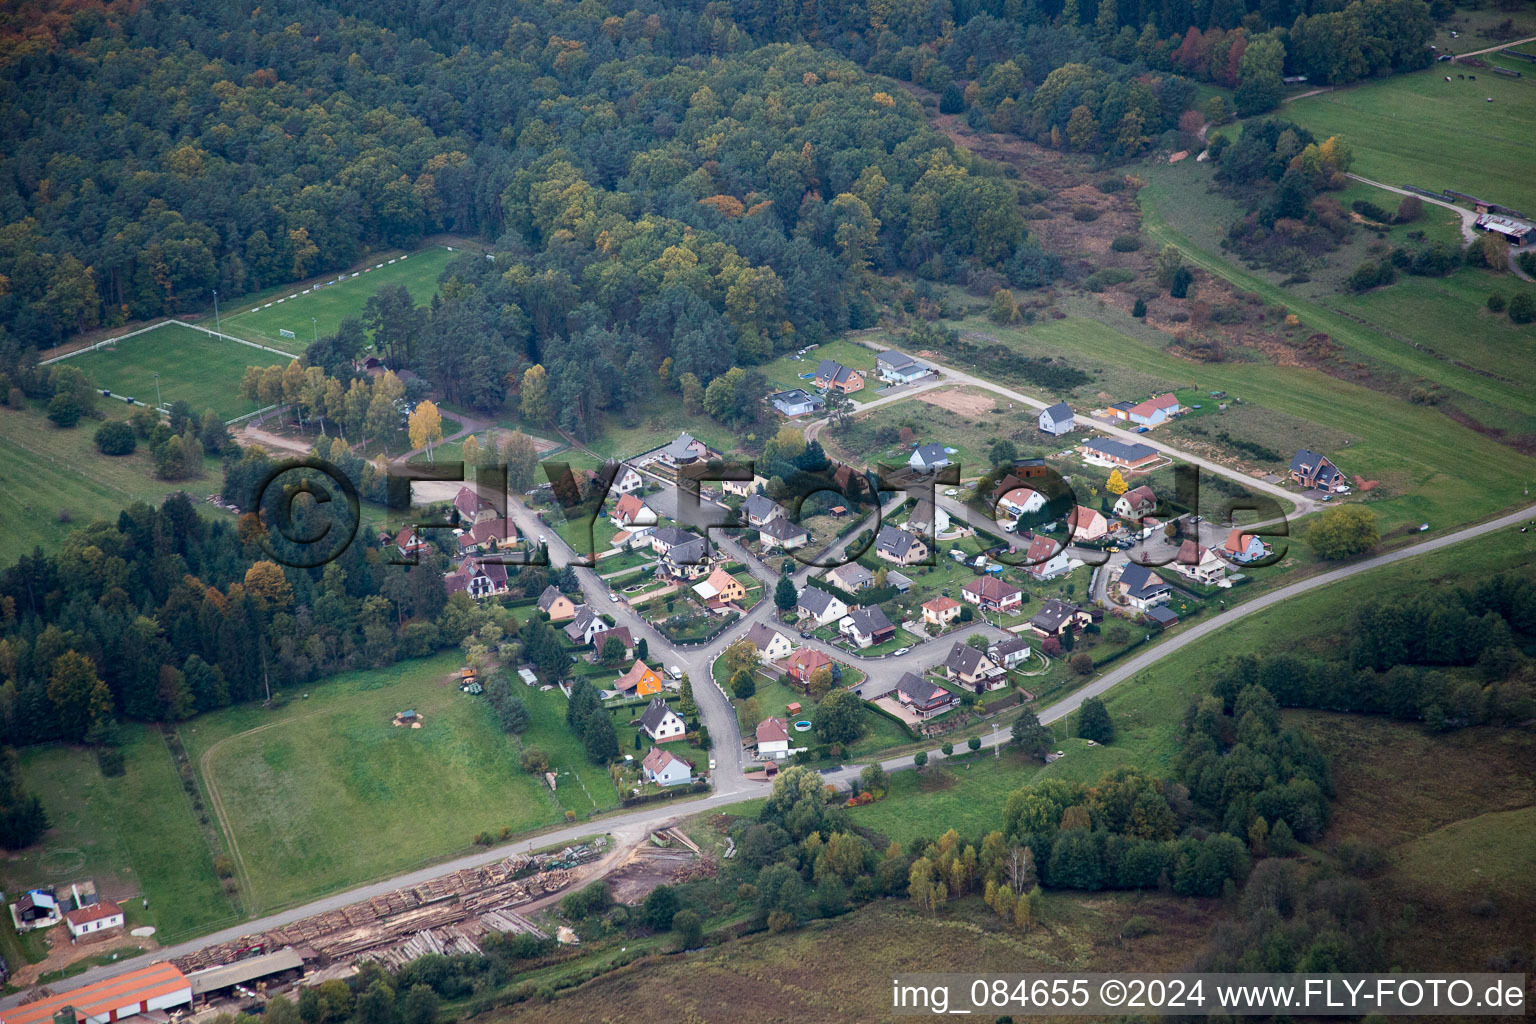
x,y
941,611
640,681
803,664
721,588
157,987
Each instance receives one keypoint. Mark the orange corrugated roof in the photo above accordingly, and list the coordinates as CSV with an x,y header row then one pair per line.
x,y
150,982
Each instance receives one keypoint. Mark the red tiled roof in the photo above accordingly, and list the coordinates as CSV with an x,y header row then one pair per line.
x,y
95,912
772,730
990,588
153,982
941,604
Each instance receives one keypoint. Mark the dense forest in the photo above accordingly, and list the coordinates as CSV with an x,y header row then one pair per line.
x,y
716,181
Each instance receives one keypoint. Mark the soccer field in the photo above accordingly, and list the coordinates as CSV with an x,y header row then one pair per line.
x,y
1421,130
193,366
320,311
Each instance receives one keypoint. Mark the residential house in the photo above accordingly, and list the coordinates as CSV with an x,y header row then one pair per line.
x,y
781,533
927,457
822,606
1119,453
1242,547
640,681
896,367
686,561
720,588
899,546
661,723
479,578
927,519
770,643
665,538
684,451
832,375
1136,503
805,663
556,606
617,634
1155,410
1057,420
866,627
411,544
95,920
585,626
922,698
1056,616
743,488
1142,588
941,611
1309,469
1017,501
488,536
991,594
1010,653
662,767
759,509
1200,564
472,508
973,669
629,511
1047,559
1086,523
796,402
628,480
772,739
851,577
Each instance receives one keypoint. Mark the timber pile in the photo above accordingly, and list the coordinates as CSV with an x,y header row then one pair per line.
x,y
452,911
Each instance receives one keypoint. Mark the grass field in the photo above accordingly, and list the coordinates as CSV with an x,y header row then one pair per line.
x,y
326,793
970,434
202,370
53,481
136,834
292,309
1419,129
785,371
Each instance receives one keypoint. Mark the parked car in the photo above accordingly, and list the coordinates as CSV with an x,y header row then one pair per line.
x,y
805,634
901,650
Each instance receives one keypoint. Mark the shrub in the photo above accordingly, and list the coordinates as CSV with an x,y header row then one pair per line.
x,y
1109,186
116,438
1496,303
1085,214
1371,274
953,100
111,762
1139,310
1182,279
1126,243
64,410
1101,280
1522,308
1410,209
1136,926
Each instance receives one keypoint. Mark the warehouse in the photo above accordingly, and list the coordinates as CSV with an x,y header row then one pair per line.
x,y
141,993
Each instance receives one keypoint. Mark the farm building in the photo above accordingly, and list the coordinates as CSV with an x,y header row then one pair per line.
x,y
1515,232
138,993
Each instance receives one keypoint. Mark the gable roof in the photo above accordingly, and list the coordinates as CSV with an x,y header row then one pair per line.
x,y
1162,615
815,600
965,660
760,506
1237,542
619,633
896,359
659,759
920,690
1139,496
496,572
1192,552
656,712
870,621
550,595
781,529
1053,613
1058,412
851,576
631,679
97,1001
834,372
1085,517
761,635
667,536
806,661
1041,550
1153,404
470,504
1119,449
691,552
929,454
895,540
772,730
95,912
1010,646
628,507
1142,583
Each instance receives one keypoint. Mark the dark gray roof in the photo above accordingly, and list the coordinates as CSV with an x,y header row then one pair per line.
x,y
1162,614
815,600
1052,614
1306,462
930,454
1119,449
895,540
920,690
655,713
1142,583
668,536
692,552
964,659
761,635
1058,412
833,371
782,529
870,621
680,449
1010,646
851,576
550,595
760,506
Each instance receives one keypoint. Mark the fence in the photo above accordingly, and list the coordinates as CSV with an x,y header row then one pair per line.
x,y
1521,56
101,344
